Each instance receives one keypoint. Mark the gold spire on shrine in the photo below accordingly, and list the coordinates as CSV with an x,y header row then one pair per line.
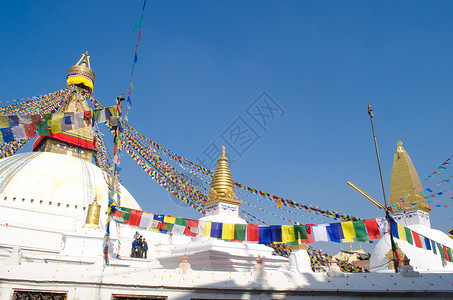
x,y
81,74
405,183
222,184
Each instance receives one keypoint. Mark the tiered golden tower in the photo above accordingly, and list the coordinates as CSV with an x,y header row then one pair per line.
x,y
222,184
404,181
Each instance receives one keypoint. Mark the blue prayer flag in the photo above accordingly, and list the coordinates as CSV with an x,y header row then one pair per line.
x,y
216,230
7,134
264,233
13,121
276,233
427,243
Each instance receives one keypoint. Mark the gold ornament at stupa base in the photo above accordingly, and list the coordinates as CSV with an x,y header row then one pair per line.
x,y
405,183
94,212
222,184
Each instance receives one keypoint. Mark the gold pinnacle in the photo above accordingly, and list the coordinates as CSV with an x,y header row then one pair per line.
x,y
222,184
405,181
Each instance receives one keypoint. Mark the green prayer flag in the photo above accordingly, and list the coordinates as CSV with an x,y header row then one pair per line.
x,y
97,115
439,246
300,232
180,221
360,231
43,128
409,238
239,231
169,227
139,24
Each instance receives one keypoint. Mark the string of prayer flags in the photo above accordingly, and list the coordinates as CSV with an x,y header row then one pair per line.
x,y
420,241
22,127
44,104
131,85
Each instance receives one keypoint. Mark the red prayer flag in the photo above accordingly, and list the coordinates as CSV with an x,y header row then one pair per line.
x,y
373,229
30,130
417,240
444,249
136,216
192,223
252,233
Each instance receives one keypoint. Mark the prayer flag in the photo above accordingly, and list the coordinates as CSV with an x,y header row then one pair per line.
x,y
252,233
276,233
30,130
35,118
135,217
178,229
4,123
372,228
55,125
401,232
409,235
417,240
228,231
181,221
169,219
159,218
288,234
239,231
335,232
13,121
19,132
348,231
216,230
427,243
265,235
360,231
7,135
433,246
146,221
444,250
450,254
25,119
320,233
300,232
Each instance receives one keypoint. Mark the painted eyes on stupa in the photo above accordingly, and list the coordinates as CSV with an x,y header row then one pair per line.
x,y
64,147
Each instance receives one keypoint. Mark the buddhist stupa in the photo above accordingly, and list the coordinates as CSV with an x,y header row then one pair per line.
x,y
77,142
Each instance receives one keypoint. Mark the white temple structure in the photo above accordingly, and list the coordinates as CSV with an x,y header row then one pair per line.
x,y
53,207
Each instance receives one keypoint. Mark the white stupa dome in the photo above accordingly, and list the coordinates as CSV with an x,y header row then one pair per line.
x,y
51,192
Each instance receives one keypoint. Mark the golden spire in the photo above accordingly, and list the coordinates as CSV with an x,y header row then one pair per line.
x,y
405,181
350,247
222,184
81,74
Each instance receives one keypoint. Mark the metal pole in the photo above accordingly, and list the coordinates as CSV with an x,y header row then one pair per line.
x,y
370,112
387,214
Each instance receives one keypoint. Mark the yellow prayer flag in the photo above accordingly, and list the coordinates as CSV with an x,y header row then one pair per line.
x,y
132,85
207,229
113,110
288,235
169,219
348,230
402,232
55,125
228,231
4,123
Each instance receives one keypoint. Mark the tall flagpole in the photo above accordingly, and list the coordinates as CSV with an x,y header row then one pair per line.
x,y
387,214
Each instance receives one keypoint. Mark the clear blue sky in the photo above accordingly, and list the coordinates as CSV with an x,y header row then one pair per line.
x,y
202,63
